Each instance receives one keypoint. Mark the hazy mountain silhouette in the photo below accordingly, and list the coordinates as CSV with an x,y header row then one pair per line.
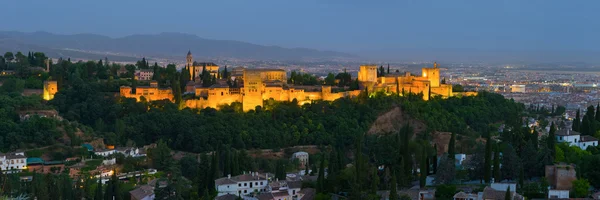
x,y
159,45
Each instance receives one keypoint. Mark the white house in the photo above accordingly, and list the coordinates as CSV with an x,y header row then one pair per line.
x,y
575,138
241,185
558,194
105,152
459,159
13,162
129,151
112,161
301,156
144,74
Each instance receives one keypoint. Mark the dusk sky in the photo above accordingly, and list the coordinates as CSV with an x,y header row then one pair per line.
x,y
342,25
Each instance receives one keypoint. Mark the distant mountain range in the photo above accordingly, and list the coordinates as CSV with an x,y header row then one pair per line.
x,y
159,46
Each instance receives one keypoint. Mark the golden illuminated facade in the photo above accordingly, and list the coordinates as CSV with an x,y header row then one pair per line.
x,y
50,88
150,93
257,85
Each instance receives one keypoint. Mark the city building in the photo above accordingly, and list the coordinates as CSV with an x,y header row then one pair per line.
x,y
575,138
13,162
50,89
242,184
144,74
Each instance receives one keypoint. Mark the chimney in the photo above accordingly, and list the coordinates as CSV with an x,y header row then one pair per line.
x,y
228,176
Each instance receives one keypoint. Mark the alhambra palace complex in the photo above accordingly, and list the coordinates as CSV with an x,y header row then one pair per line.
x,y
256,85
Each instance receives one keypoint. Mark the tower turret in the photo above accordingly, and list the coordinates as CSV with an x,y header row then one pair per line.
x,y
189,59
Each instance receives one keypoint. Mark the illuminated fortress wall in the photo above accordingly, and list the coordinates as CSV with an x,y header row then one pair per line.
x,y
264,84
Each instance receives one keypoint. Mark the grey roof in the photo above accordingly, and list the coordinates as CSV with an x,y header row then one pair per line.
x,y
587,138
239,178
309,193
227,197
141,192
294,184
566,132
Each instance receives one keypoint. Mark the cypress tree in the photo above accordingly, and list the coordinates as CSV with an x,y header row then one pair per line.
x,y
393,187
507,194
488,160
435,158
551,140
333,162
534,139
214,171
374,181
521,177
584,127
591,113
451,146
496,169
423,174
321,177
358,162
109,192
598,112
98,195
388,69
67,187
576,122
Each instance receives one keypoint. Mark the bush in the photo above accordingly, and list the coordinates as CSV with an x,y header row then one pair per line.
x,y
445,191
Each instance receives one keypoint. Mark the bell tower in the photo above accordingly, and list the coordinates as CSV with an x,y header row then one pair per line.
x,y
189,62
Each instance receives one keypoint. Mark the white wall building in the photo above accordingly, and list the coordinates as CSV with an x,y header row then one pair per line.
x,y
144,74
558,194
575,139
241,185
302,157
105,152
459,159
13,162
129,151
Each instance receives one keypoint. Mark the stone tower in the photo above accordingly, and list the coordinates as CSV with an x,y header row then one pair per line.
x,y
432,74
189,60
50,88
252,90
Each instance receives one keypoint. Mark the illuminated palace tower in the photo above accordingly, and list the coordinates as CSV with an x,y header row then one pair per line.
x,y
50,88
